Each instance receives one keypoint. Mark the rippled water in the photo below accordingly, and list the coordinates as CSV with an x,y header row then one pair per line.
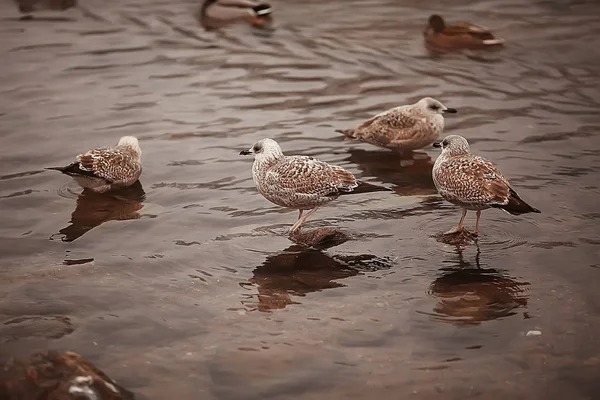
x,y
187,287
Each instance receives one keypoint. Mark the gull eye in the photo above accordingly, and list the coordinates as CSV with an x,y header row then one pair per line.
x,y
256,148
444,144
434,107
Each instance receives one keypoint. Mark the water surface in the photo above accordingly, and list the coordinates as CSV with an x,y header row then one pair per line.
x,y
188,288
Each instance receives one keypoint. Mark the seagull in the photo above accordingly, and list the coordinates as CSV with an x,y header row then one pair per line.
x,y
299,182
107,168
403,128
472,182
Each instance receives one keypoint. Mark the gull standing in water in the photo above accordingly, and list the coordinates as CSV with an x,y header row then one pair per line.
x,y
403,128
472,182
298,182
107,168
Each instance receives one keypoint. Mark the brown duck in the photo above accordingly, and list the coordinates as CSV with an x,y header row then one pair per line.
x,y
458,35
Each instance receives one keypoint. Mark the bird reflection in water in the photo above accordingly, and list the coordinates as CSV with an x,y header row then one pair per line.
x,y
469,295
297,271
94,209
410,172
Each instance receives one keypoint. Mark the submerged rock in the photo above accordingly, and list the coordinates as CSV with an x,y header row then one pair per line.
x,y
460,238
57,375
320,237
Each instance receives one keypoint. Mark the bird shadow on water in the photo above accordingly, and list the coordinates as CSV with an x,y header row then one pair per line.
x,y
468,293
297,271
410,172
94,209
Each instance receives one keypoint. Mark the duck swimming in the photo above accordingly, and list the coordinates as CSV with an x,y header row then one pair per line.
x,y
216,13
458,35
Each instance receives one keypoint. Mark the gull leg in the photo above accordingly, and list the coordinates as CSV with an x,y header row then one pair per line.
x,y
459,227
298,222
477,223
302,219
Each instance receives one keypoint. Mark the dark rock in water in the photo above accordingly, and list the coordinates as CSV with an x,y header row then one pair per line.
x,y
460,238
57,375
320,237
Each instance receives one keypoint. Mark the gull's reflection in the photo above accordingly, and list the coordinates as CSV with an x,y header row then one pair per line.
x,y
469,294
409,172
297,271
93,209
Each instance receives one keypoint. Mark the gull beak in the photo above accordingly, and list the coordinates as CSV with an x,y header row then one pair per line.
x,y
450,111
437,145
245,152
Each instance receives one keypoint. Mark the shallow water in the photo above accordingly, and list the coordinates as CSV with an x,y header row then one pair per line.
x,y
189,288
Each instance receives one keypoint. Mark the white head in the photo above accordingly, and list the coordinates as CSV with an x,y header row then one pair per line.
x,y
263,150
453,145
430,105
131,142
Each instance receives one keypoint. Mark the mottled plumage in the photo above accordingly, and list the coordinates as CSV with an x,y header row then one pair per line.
x,y
107,168
299,182
458,35
403,128
58,376
472,182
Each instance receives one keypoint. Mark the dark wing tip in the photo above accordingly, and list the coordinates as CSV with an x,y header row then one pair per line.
x,y
516,205
373,188
364,187
74,169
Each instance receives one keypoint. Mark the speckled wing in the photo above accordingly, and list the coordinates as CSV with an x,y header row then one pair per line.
x,y
472,180
392,126
309,176
113,164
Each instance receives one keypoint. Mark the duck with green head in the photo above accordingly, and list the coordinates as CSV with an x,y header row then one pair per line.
x,y
216,13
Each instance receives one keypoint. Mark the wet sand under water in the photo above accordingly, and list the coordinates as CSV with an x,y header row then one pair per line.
x,y
187,287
